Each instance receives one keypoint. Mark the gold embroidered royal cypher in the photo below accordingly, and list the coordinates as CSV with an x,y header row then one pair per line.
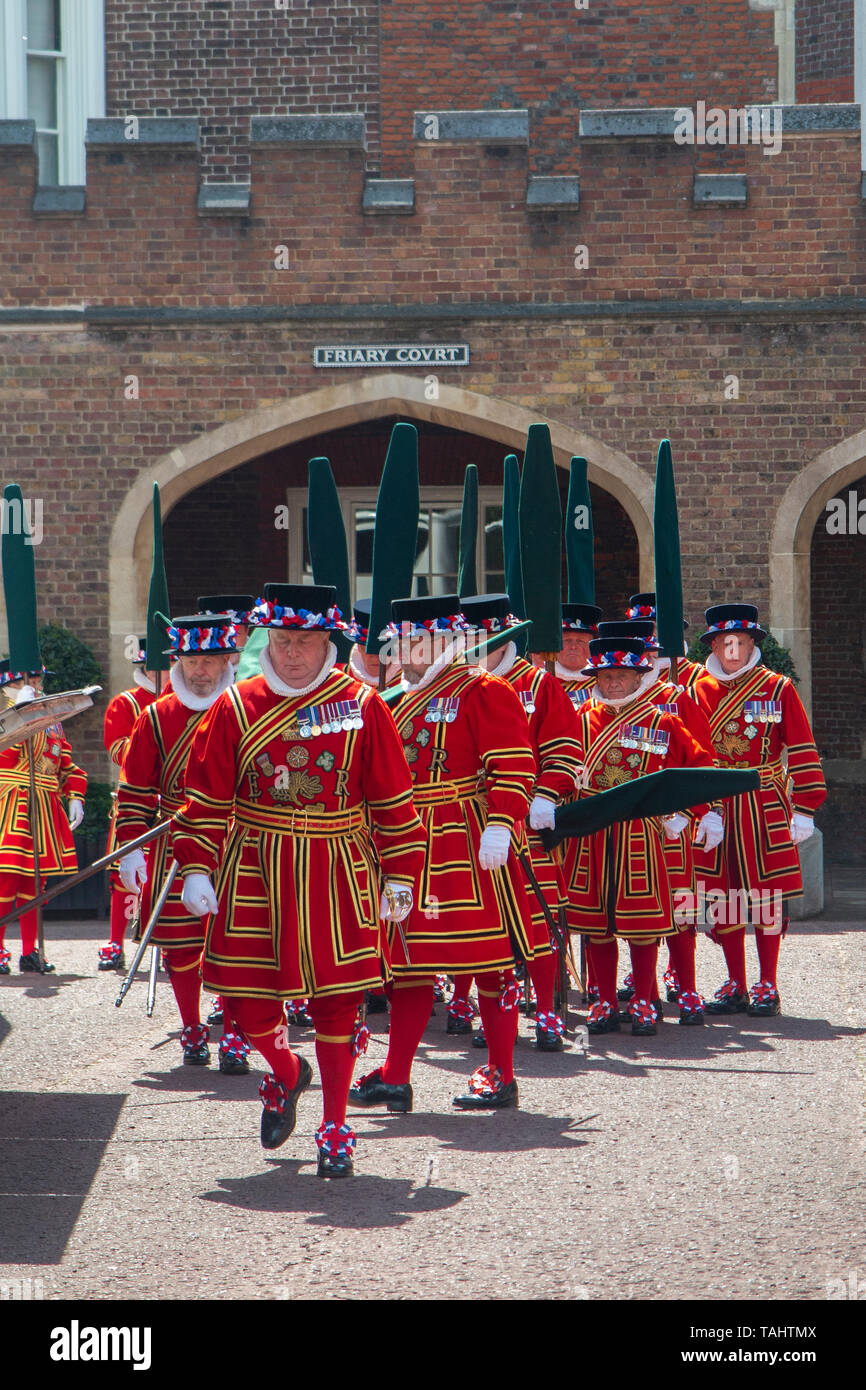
x,y
731,746
299,786
612,776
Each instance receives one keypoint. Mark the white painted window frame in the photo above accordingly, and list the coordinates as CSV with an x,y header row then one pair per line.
x,y
352,498
81,83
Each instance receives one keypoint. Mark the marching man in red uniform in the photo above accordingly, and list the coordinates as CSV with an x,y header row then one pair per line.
x,y
617,879
153,786
57,778
120,717
754,715
702,826
552,731
466,740
306,764
579,626
643,606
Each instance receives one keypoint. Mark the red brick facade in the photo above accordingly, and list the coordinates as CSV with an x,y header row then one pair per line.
x,y
735,330
825,50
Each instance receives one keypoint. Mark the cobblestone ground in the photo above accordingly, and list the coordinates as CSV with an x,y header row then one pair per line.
x,y
724,1162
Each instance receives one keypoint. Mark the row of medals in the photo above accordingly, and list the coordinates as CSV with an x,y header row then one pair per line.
x,y
333,726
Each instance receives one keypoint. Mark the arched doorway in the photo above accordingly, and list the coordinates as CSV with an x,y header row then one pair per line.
x,y
334,408
223,535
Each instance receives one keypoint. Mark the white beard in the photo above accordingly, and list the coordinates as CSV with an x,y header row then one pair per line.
x,y
186,696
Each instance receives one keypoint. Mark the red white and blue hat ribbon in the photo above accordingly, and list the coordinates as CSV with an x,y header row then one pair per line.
x,y
265,613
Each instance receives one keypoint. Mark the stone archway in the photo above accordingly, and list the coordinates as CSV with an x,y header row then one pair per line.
x,y
802,504
333,407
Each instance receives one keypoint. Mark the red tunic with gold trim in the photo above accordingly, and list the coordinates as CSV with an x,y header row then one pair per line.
x,y
752,719
57,777
151,787
679,853
466,740
617,879
120,717
577,688
687,673
553,733
320,800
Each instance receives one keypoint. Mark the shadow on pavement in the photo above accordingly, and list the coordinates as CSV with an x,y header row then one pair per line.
x,y
364,1202
40,986
51,1146
504,1131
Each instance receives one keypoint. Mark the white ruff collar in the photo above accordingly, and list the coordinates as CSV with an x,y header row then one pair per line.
x,y
506,661
280,688
565,673
360,672
714,667
647,680
142,680
408,687
185,695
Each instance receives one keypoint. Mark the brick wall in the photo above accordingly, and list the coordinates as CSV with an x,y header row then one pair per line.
x,y
825,50
554,59
224,60
839,636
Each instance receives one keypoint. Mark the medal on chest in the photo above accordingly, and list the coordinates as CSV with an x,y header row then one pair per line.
x,y
645,740
527,699
442,710
763,712
579,697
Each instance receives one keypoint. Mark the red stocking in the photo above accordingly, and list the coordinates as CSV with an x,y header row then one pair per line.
x,y
121,901
643,964
29,931
603,956
542,973
682,953
411,1006
734,947
462,986
263,1022
500,1025
334,1019
183,965
768,954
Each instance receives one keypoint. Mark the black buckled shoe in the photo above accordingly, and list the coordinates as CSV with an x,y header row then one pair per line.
x,y
298,1014
111,957
764,1001
216,1013
234,1052
336,1147
32,963
440,985
672,986
376,1003
660,1013
487,1091
5,962
549,1030
728,1000
643,1019
459,1020
602,1019
194,1040
372,1090
281,1105
626,994
691,1009
478,1038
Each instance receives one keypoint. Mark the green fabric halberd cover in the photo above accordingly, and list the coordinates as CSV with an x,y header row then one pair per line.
x,y
511,542
157,598
658,794
541,541
467,570
666,543
579,540
19,584
395,537
326,537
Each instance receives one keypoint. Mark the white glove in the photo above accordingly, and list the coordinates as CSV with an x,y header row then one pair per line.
x,y
25,695
133,871
801,827
581,777
198,896
675,825
542,813
710,831
494,846
402,906
76,813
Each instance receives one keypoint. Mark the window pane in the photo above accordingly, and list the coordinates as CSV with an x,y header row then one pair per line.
x,y
365,522
46,146
493,554
42,92
43,24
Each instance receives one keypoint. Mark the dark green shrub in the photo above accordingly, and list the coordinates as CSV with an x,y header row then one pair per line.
x,y
71,660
